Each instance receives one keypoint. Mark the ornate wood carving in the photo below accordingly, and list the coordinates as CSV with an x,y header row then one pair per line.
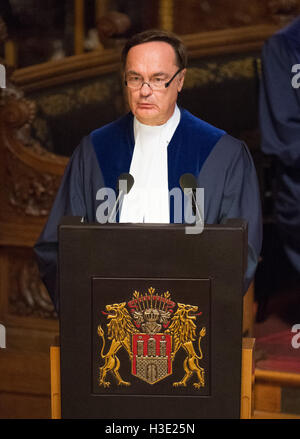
x,y
28,296
24,187
30,174
29,192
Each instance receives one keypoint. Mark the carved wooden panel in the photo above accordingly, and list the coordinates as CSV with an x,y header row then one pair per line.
x,y
24,387
29,178
29,192
28,296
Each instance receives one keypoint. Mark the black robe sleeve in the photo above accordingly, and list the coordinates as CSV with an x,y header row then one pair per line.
x,y
241,199
231,190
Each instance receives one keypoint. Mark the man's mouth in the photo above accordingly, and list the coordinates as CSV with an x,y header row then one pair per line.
x,y
143,105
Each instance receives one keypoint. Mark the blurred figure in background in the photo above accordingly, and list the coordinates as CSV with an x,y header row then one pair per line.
x,y
280,137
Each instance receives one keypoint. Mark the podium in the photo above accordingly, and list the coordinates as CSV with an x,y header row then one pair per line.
x,y
151,320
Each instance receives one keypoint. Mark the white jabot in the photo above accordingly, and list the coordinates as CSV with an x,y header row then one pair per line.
x,y
148,200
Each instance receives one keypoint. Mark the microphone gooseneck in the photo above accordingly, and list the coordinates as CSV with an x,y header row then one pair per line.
x,y
124,186
188,184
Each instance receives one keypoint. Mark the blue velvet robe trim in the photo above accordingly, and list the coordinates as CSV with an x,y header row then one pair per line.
x,y
188,149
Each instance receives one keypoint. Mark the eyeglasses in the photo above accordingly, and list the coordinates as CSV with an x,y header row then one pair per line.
x,y
136,82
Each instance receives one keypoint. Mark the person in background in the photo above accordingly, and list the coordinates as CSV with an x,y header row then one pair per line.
x,y
279,115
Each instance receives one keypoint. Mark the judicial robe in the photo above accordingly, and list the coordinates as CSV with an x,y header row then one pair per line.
x,y
221,164
280,131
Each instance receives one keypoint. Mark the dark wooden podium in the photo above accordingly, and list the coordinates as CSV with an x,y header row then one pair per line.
x,y
151,320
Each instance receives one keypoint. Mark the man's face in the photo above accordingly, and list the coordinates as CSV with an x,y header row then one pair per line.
x,y
152,60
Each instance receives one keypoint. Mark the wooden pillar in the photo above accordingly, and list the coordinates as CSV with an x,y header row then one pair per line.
x,y
248,312
100,8
78,26
10,53
55,382
166,15
247,378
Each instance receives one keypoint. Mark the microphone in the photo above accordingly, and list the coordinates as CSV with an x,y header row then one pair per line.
x,y
124,185
188,184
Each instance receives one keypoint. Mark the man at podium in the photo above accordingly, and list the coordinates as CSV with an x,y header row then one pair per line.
x,y
156,142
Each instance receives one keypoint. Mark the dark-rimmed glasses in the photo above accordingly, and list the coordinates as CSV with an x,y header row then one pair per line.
x,y
156,83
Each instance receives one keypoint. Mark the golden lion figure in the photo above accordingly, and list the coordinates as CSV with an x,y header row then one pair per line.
x,y
120,329
183,331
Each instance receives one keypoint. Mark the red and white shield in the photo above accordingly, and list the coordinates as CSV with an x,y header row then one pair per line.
x,y
151,356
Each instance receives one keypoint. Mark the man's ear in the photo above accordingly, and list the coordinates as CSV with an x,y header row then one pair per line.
x,y
181,79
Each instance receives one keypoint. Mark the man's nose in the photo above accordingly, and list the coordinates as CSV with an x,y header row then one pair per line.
x,y
145,89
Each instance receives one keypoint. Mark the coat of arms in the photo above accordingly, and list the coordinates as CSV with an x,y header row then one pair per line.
x,y
152,328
